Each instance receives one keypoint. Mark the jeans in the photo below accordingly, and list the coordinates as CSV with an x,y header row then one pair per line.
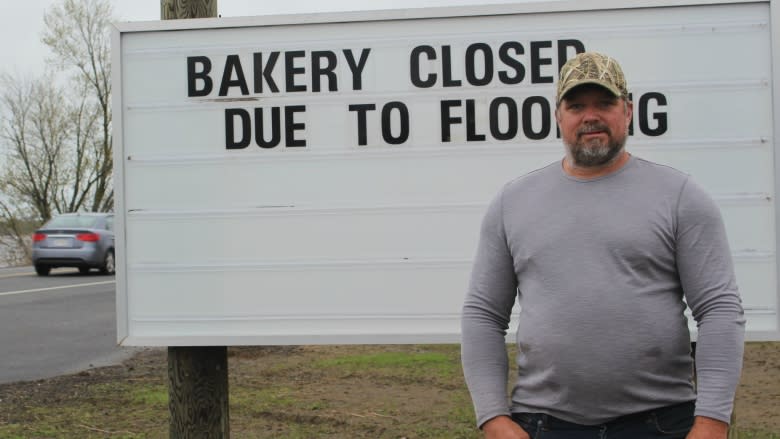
x,y
671,422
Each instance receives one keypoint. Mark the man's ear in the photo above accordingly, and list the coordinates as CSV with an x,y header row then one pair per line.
x,y
629,110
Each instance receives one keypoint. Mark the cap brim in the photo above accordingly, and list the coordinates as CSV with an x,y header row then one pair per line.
x,y
604,84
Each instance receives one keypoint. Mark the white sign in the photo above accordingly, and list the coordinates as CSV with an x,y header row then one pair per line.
x,y
321,178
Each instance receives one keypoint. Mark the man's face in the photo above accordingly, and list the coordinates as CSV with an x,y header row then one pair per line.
x,y
594,124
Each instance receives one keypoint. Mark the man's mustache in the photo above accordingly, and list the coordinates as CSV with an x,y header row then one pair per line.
x,y
592,128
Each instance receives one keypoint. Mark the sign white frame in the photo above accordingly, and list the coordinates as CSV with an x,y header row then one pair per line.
x,y
289,331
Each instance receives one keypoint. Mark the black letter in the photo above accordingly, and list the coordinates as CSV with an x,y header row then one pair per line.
x,y
644,126
471,123
317,70
265,72
233,63
290,126
446,65
276,128
246,128
471,74
291,70
511,110
633,116
537,62
528,128
193,76
404,115
447,120
357,69
414,62
361,115
503,54
563,48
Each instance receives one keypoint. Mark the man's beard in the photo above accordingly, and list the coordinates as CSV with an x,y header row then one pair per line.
x,y
594,152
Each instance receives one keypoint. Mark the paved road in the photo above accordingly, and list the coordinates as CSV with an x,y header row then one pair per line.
x,y
58,324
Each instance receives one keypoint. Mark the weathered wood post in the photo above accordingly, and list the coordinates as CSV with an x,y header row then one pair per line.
x,y
172,9
197,376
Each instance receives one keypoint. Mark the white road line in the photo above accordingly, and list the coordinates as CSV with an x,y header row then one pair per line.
x,y
3,276
11,293
29,271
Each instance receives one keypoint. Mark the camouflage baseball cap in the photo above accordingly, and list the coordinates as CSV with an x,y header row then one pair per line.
x,y
591,68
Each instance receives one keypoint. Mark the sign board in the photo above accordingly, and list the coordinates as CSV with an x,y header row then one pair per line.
x,y
321,178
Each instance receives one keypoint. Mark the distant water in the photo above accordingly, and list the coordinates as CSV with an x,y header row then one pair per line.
x,y
4,252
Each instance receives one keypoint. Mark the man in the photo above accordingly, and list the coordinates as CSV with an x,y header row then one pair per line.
x,y
600,250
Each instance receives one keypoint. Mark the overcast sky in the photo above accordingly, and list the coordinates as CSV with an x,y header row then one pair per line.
x,y
21,26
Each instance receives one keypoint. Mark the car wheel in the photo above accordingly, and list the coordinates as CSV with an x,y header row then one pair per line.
x,y
84,270
42,270
109,263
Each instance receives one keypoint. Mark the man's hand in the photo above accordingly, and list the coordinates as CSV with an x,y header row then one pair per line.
x,y
503,427
707,428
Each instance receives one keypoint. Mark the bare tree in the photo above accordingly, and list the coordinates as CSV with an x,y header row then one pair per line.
x,y
14,236
52,156
77,34
35,129
56,151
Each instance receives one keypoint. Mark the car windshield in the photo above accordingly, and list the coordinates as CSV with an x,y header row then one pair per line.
x,y
73,221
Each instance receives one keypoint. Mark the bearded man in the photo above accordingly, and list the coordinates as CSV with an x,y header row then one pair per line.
x,y
602,250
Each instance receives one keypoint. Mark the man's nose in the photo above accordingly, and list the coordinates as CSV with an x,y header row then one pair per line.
x,y
590,114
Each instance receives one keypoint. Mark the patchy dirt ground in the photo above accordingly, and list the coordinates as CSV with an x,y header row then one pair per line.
x,y
758,396
310,392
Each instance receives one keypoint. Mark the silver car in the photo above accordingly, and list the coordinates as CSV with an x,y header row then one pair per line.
x,y
82,240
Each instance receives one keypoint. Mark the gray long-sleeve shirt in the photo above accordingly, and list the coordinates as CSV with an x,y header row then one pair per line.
x,y
600,268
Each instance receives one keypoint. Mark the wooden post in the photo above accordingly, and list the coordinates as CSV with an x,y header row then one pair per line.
x,y
197,376
173,9
198,392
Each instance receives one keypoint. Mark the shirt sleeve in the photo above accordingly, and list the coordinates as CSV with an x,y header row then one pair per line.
x,y
485,319
707,276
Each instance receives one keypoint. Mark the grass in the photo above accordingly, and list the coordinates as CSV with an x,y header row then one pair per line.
x,y
308,392
753,434
412,365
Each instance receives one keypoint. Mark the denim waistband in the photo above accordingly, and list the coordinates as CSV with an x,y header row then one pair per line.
x,y
551,422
